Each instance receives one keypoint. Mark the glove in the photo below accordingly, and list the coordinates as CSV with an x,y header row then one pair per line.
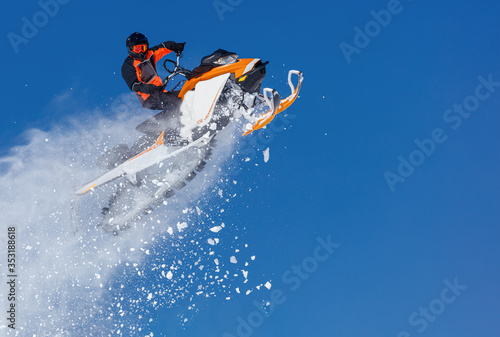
x,y
175,47
145,88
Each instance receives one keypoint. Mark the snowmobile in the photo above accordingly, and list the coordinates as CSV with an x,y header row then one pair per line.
x,y
223,88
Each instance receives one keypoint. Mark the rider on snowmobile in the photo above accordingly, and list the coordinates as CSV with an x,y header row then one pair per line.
x,y
139,72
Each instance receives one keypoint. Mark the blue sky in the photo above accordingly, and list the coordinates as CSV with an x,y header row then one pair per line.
x,y
402,241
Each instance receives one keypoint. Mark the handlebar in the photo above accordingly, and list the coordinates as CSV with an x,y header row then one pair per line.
x,y
178,70
172,61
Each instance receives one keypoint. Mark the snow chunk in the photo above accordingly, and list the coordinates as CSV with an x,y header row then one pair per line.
x,y
170,275
233,259
268,285
253,257
215,229
181,226
266,155
211,241
170,231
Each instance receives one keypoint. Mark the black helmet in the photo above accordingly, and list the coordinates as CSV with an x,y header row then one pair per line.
x,y
134,40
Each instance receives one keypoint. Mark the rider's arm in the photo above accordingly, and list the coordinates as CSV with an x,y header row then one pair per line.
x,y
167,47
160,51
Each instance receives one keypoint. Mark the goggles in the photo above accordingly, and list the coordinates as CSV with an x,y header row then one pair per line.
x,y
140,48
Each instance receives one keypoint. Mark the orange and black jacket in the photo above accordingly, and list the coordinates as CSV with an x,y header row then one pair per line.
x,y
136,71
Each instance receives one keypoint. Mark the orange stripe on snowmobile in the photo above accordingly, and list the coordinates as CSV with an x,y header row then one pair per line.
x,y
160,141
87,189
236,68
209,110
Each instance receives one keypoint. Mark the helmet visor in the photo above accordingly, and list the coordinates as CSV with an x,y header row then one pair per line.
x,y
140,48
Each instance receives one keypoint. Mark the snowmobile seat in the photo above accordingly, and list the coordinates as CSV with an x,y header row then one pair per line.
x,y
200,70
209,62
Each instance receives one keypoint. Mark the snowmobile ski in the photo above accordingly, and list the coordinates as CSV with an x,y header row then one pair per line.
x,y
276,105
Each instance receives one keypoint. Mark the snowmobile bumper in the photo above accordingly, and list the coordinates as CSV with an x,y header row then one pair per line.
x,y
276,104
